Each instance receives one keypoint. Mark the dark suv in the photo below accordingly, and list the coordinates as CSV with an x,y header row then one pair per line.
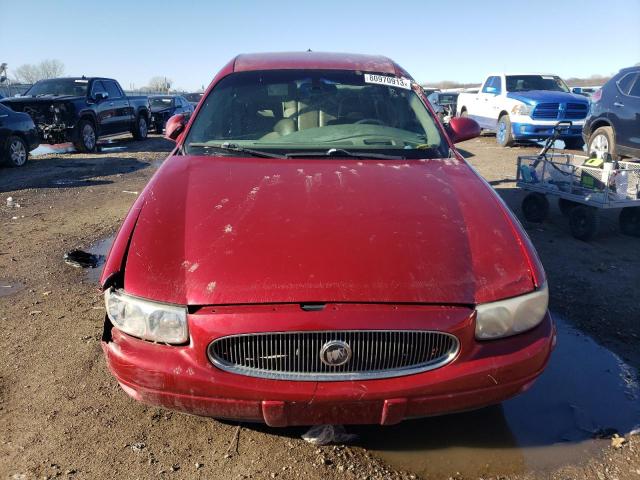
x,y
613,123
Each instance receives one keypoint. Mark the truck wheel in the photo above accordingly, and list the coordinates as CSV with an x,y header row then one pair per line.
x,y
504,136
566,206
602,141
535,207
584,222
141,128
15,152
573,143
630,221
85,137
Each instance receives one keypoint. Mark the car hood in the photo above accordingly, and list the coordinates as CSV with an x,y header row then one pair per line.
x,y
230,230
533,97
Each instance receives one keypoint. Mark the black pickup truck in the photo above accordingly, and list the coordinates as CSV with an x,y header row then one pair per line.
x,y
82,109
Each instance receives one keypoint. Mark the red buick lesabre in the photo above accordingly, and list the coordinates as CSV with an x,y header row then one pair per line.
x,y
315,250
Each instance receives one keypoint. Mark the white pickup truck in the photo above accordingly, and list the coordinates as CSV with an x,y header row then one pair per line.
x,y
525,107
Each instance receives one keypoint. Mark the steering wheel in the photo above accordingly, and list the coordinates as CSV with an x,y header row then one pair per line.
x,y
373,121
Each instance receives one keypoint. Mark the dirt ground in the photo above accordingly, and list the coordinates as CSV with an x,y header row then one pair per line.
x,y
63,415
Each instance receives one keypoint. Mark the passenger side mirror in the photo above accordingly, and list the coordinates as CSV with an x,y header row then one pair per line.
x,y
100,96
462,128
175,126
577,90
492,90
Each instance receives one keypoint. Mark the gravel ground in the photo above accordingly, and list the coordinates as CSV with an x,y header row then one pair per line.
x,y
63,415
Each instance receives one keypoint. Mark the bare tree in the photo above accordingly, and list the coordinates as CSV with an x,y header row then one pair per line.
x,y
160,84
29,73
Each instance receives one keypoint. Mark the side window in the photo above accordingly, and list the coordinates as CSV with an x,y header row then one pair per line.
x,y
97,87
179,102
624,84
492,82
635,89
497,83
112,89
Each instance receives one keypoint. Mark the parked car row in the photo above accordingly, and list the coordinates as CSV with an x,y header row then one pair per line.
x,y
80,110
527,106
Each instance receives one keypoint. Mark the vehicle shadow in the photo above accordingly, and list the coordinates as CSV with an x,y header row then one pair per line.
x,y
465,153
486,428
66,172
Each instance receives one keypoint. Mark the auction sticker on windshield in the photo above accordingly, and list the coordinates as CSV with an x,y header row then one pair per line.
x,y
389,81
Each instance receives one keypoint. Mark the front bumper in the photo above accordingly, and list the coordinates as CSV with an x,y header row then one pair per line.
x,y
182,378
543,129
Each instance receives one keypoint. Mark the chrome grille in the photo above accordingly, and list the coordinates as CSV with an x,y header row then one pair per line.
x,y
296,355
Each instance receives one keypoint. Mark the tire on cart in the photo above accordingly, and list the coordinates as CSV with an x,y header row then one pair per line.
x,y
566,206
630,221
584,222
535,207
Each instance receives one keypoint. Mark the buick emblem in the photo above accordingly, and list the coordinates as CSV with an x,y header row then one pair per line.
x,y
335,353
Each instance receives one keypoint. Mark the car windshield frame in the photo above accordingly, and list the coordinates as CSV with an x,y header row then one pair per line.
x,y
59,87
549,80
397,122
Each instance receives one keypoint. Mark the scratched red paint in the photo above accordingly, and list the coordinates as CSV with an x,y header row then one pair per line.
x,y
246,240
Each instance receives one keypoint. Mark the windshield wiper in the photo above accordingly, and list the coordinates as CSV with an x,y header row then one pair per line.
x,y
232,147
340,152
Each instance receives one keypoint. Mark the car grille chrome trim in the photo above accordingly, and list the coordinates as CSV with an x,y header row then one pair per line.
x,y
296,355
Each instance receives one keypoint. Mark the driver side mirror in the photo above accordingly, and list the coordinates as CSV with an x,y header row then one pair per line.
x,y
175,126
100,96
462,128
492,90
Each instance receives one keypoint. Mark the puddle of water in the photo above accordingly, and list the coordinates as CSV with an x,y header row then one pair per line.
x,y
8,287
585,389
99,248
49,149
111,149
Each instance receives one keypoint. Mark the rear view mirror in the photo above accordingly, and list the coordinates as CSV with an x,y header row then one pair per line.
x,y
462,128
175,126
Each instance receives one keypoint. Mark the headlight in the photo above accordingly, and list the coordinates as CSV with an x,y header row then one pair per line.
x,y
153,321
521,109
512,315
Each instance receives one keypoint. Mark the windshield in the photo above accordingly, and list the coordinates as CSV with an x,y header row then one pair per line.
x,y
316,110
193,97
161,101
524,83
76,87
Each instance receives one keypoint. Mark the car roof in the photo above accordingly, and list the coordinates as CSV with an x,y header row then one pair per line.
x,y
317,61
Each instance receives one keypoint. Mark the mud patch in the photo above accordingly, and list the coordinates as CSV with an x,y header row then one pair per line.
x,y
9,287
585,393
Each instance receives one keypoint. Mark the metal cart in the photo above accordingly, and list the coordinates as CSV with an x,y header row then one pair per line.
x,y
581,189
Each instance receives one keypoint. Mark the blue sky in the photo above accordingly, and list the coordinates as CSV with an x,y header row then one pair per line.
x,y
189,41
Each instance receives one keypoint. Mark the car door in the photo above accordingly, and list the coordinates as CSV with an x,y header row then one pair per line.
x,y
487,103
625,111
122,116
105,108
187,108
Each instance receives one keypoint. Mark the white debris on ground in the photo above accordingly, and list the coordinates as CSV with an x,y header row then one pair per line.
x,y
52,149
326,434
